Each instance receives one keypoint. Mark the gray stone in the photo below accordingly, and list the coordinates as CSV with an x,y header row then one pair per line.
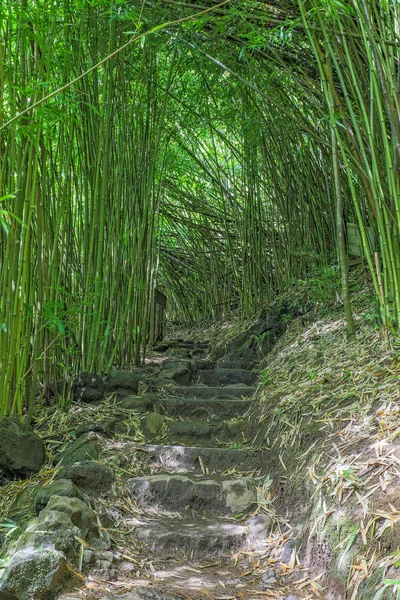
x,y
21,452
82,449
90,475
200,539
288,551
51,528
259,526
80,514
193,429
153,424
107,574
244,358
200,408
181,459
265,576
106,555
59,487
269,582
125,383
172,364
102,543
89,387
225,376
180,376
181,493
198,391
34,574
178,370
88,557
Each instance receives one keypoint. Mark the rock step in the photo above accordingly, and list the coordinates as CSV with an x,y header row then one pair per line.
x,y
197,391
195,493
206,432
200,539
181,459
223,377
206,408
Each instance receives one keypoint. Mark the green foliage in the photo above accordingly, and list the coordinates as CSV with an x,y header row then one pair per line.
x,y
7,529
199,158
265,375
388,583
324,287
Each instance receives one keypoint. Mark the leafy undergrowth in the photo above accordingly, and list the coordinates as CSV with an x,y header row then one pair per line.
x,y
329,413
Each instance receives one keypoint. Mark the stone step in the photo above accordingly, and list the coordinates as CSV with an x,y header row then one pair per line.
x,y
224,377
183,459
200,539
203,408
198,391
206,433
179,493
194,431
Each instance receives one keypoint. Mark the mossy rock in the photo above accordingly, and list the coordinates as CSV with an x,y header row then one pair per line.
x,y
153,424
90,475
83,449
21,452
37,574
59,487
81,515
125,383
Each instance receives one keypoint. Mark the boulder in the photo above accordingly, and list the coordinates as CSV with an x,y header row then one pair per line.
x,y
180,375
81,515
59,487
34,574
152,424
178,370
89,387
125,383
259,526
90,475
179,363
51,528
21,452
82,449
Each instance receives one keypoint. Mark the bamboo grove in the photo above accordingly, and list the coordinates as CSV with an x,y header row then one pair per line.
x,y
218,156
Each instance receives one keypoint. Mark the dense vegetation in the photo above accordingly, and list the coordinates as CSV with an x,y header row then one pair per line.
x,y
214,149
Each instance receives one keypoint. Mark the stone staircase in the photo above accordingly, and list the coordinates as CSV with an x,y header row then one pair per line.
x,y
190,513
197,499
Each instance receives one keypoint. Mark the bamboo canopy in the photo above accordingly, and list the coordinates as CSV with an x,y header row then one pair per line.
x,y
214,149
